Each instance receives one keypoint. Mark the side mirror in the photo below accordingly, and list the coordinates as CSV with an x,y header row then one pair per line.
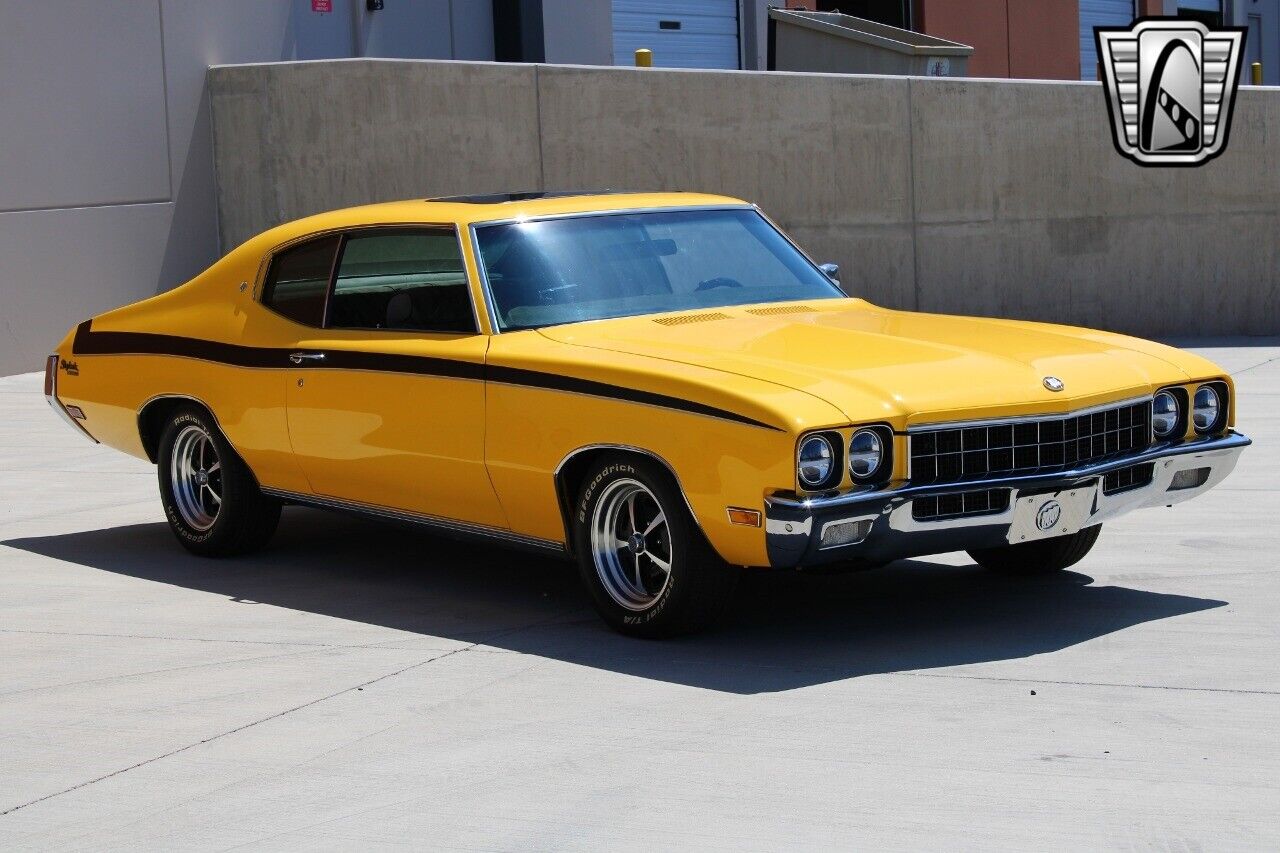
x,y
832,271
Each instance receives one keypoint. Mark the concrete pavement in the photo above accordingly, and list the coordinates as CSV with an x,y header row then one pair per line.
x,y
364,686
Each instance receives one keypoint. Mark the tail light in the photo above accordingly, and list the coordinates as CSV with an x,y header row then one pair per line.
x,y
50,373
73,414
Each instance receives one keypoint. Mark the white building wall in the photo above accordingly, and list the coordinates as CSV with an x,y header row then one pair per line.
x,y
106,160
577,32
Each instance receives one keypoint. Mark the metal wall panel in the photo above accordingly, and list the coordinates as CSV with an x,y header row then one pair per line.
x,y
707,34
1099,13
82,111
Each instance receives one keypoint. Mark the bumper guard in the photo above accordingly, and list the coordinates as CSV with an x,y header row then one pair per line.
x,y
877,524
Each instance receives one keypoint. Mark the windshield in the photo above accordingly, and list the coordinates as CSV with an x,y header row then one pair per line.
x,y
551,271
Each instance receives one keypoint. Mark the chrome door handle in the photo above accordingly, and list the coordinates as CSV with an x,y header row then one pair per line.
x,y
299,357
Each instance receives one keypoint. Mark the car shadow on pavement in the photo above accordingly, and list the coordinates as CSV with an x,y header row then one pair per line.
x,y
782,632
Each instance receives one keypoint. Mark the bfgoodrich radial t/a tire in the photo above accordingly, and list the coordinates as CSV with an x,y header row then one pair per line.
x,y
1038,558
647,566
211,499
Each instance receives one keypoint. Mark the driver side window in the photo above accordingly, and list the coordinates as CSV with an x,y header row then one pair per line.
x,y
402,280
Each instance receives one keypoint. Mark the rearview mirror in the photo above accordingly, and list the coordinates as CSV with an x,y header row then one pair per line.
x,y
640,249
832,271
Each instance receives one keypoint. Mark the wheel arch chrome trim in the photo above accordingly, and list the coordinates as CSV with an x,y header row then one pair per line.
x,y
153,452
217,424
566,500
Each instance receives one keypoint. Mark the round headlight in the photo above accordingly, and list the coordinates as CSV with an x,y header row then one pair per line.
x,y
816,461
1164,414
1207,408
866,452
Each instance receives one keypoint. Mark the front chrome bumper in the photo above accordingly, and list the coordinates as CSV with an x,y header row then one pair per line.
x,y
885,529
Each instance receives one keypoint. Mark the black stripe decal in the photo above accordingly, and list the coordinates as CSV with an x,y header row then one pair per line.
x,y
555,382
89,342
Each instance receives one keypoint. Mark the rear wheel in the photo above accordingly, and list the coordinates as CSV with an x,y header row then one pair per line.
x,y
212,501
1038,558
650,570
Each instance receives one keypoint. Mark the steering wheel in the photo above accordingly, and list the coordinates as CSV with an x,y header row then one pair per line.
x,y
712,283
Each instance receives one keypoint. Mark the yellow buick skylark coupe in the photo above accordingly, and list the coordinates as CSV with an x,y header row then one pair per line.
x,y
661,385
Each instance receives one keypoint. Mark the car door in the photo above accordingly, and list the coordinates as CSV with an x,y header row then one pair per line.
x,y
385,397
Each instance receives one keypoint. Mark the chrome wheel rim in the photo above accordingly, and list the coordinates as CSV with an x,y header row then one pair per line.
x,y
631,545
195,473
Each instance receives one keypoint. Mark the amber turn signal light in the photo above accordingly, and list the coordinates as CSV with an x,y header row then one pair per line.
x,y
745,517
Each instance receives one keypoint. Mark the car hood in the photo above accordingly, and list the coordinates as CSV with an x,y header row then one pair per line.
x,y
875,363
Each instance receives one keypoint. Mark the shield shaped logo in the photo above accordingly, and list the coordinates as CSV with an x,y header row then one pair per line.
x,y
1049,515
1170,85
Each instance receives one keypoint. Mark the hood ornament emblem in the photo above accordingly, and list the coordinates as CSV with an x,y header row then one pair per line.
x,y
1053,383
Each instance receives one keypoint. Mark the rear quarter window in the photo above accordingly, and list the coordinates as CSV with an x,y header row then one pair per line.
x,y
298,280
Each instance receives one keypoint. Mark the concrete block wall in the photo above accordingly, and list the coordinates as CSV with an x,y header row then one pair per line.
x,y
982,197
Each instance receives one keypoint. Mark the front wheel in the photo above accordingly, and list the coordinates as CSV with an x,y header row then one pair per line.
x,y
212,501
650,570
1038,558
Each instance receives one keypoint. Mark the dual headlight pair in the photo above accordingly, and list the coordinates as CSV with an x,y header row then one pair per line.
x,y
1208,411
818,460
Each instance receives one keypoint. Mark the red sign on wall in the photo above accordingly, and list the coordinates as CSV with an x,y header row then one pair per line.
x,y
322,6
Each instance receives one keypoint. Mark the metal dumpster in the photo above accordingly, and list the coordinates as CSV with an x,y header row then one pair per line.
x,y
842,44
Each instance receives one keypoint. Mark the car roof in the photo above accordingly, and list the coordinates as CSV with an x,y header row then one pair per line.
x,y
464,211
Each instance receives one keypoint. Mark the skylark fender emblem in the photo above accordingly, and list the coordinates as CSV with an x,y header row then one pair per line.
x,y
71,368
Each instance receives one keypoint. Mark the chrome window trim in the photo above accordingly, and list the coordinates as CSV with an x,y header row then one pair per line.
x,y
609,211
485,290
269,259
844,294
264,269
1022,419
491,308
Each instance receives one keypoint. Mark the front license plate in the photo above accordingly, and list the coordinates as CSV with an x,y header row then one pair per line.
x,y
1047,514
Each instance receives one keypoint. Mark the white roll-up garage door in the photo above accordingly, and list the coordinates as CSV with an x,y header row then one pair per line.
x,y
1099,13
681,33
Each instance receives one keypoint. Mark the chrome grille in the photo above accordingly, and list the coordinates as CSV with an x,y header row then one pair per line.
x,y
1028,446
1124,479
960,505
